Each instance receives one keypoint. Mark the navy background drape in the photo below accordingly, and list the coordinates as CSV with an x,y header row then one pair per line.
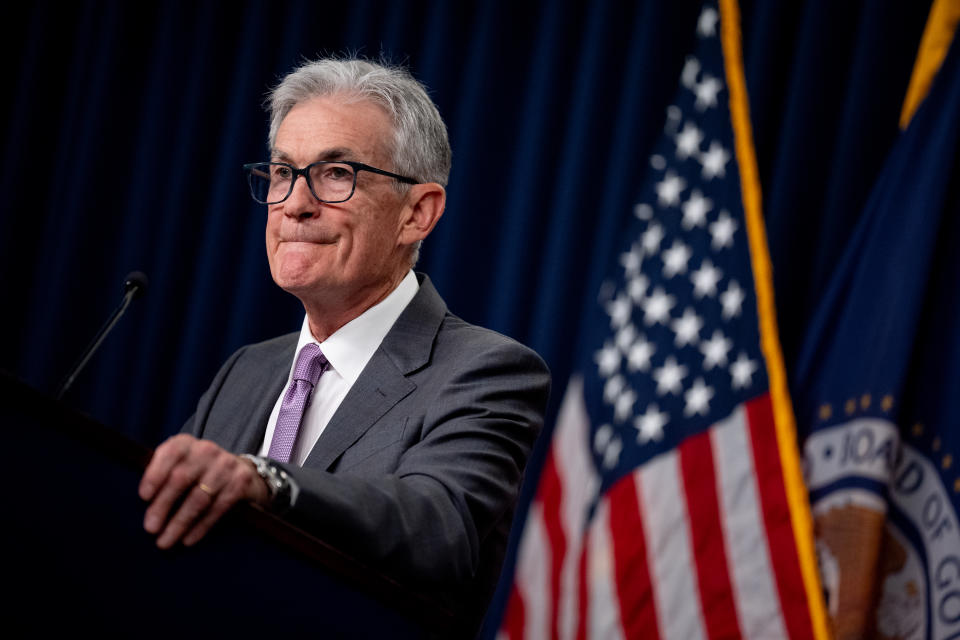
x,y
125,125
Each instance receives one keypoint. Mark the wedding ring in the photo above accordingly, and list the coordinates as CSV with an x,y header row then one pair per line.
x,y
207,490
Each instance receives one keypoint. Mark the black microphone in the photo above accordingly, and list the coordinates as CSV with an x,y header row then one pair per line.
x,y
134,285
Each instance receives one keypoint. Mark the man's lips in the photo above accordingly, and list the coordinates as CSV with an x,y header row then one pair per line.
x,y
319,240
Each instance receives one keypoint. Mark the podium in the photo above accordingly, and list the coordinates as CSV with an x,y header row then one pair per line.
x,y
79,560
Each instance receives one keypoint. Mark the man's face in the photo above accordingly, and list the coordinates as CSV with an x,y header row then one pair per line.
x,y
346,252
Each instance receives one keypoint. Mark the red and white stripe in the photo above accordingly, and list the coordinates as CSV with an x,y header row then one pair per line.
x,y
751,572
696,543
669,552
555,540
602,617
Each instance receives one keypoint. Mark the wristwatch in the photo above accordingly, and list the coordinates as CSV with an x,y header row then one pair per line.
x,y
276,479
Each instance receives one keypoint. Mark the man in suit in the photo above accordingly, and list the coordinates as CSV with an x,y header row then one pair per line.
x,y
386,426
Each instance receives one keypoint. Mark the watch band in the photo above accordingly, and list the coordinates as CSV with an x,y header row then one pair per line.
x,y
276,479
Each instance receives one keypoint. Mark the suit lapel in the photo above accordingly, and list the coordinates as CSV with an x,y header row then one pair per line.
x,y
378,388
383,382
263,372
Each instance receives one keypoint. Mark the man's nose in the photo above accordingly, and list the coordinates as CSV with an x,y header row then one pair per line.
x,y
301,203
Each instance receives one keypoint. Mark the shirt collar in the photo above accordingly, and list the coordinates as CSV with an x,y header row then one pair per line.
x,y
350,348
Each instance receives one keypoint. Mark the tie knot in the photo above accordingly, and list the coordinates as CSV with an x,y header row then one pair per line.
x,y
311,363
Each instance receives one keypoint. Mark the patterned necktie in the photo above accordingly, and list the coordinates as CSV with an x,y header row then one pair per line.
x,y
311,364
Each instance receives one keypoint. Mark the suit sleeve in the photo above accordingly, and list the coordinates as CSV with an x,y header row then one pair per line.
x,y
451,488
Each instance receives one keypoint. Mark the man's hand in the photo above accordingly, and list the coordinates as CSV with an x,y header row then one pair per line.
x,y
208,479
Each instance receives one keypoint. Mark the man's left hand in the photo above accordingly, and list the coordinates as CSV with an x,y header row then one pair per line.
x,y
205,479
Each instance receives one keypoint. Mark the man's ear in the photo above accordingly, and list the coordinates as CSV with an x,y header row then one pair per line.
x,y
423,208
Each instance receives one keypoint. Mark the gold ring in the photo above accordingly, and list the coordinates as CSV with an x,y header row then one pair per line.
x,y
207,490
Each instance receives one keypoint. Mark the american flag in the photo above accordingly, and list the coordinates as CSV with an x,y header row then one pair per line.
x,y
662,508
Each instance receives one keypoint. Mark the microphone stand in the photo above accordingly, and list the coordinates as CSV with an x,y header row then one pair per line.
x,y
134,285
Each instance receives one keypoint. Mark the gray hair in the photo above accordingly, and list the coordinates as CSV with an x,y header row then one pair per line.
x,y
419,149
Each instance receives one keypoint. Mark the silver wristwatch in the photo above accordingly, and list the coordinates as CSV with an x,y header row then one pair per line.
x,y
276,479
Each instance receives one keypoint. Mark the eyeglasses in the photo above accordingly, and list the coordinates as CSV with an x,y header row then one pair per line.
x,y
331,182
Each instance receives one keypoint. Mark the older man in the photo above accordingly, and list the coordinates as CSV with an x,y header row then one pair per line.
x,y
386,425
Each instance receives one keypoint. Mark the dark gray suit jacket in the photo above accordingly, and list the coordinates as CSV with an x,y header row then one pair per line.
x,y
419,469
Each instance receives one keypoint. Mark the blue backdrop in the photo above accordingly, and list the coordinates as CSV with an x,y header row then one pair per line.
x,y
126,125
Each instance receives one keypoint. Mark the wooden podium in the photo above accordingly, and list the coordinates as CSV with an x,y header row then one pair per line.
x,y
79,559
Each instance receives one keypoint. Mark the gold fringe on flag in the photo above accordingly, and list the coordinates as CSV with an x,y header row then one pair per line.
x,y
796,490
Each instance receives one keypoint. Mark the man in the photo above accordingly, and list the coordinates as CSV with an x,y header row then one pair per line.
x,y
387,426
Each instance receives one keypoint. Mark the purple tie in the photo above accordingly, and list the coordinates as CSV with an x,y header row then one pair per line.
x,y
311,364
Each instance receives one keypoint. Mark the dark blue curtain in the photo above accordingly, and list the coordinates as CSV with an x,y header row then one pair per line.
x,y
125,126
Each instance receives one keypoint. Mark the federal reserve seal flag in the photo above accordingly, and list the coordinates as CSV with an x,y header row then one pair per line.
x,y
878,387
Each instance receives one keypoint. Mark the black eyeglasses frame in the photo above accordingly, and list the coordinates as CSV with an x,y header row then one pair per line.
x,y
357,168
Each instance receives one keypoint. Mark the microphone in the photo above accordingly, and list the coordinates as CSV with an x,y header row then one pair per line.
x,y
134,286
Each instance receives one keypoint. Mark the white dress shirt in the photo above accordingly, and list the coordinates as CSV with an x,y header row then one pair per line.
x,y
348,350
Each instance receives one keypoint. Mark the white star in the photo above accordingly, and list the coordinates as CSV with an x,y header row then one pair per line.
x,y
688,141
732,299
613,387
714,161
650,425
643,211
707,22
623,406
650,239
695,210
607,359
625,337
722,231
675,259
611,455
637,287
658,162
657,307
688,77
638,358
669,189
631,260
705,280
602,437
741,371
669,377
706,92
698,399
619,310
714,350
687,328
